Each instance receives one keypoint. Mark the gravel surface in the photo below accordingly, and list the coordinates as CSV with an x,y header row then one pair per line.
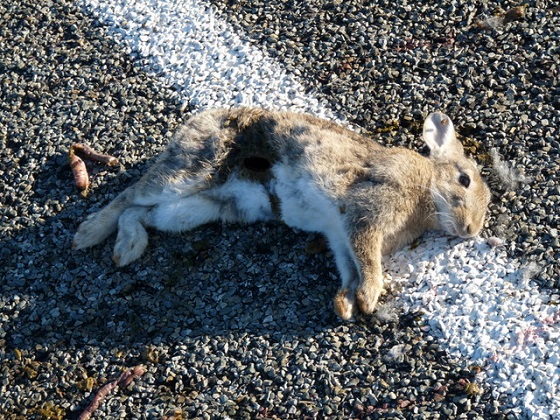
x,y
236,321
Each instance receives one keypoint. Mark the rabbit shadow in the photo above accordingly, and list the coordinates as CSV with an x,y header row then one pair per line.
x,y
214,280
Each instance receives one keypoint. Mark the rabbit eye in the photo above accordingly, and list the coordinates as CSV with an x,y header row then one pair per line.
x,y
464,180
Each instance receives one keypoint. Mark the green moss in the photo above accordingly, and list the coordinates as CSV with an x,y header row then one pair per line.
x,y
476,149
387,128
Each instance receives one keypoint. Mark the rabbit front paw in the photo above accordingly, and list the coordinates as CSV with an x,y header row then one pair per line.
x,y
367,298
344,304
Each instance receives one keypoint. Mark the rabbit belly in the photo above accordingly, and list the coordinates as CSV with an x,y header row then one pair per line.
x,y
304,205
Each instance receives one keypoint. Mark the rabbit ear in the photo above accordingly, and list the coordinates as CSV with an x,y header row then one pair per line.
x,y
439,135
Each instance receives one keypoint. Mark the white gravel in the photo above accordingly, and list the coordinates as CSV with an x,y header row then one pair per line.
x,y
483,307
200,56
486,311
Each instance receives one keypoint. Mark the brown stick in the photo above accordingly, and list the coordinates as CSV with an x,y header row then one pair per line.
x,y
81,177
87,152
124,380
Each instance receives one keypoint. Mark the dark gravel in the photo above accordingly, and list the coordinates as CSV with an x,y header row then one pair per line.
x,y
237,321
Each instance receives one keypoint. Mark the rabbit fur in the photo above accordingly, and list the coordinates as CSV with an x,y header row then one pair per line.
x,y
248,165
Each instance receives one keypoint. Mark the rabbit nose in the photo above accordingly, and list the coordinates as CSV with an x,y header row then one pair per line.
x,y
469,230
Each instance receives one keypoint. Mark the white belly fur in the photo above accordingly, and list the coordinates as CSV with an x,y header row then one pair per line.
x,y
303,204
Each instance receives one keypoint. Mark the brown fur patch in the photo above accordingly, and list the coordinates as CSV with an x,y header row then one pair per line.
x,y
249,150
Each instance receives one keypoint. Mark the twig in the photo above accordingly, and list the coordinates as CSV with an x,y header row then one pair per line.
x,y
124,380
494,22
81,177
88,153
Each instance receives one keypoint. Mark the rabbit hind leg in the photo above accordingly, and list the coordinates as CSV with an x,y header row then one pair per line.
x,y
177,215
132,237
234,201
100,225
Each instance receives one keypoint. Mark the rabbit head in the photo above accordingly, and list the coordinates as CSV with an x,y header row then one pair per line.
x,y
460,195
